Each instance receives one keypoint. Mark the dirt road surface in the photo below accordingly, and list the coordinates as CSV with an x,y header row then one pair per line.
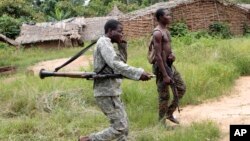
x,y
226,111
76,65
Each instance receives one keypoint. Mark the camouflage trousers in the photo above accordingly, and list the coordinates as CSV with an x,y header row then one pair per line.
x,y
114,109
165,108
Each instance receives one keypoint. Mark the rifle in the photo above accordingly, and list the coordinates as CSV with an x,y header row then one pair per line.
x,y
86,75
172,84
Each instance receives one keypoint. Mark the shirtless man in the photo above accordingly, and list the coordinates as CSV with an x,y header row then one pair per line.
x,y
163,57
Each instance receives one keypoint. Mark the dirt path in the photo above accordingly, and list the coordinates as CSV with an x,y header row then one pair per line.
x,y
233,109
76,65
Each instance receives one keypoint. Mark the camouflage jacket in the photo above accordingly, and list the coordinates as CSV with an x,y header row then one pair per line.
x,y
105,55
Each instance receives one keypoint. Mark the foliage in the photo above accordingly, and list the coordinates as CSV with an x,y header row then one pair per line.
x,y
246,29
200,34
219,29
178,29
3,45
9,26
94,8
47,6
16,8
56,10
58,14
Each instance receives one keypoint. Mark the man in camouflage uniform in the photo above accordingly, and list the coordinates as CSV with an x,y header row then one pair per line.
x,y
164,57
107,91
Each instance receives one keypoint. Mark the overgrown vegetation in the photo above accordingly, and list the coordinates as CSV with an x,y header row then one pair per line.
x,y
179,29
219,29
216,30
9,26
246,30
64,108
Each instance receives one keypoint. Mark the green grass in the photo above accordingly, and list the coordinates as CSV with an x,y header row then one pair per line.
x,y
22,58
64,108
197,131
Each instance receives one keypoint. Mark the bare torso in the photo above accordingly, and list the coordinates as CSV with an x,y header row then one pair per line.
x,y
162,45
165,44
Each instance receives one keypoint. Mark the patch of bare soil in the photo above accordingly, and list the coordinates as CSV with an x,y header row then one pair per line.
x,y
76,65
226,111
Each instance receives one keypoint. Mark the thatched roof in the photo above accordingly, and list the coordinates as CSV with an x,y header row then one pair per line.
x,y
166,5
7,40
95,27
76,21
33,33
115,12
50,31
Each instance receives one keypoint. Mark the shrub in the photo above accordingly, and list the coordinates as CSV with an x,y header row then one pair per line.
x,y
246,29
200,34
219,29
178,29
3,45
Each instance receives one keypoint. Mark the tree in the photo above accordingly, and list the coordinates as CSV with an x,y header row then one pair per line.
x,y
58,14
9,26
16,8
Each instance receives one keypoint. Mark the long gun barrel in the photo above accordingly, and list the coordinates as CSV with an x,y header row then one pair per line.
x,y
173,85
86,75
75,56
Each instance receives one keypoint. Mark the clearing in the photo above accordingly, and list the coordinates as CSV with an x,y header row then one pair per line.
x,y
226,110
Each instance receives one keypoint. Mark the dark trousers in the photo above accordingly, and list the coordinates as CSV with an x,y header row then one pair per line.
x,y
165,108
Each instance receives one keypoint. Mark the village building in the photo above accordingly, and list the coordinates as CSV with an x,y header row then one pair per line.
x,y
66,33
197,14
95,27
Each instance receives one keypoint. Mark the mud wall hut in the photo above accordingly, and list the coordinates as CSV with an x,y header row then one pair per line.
x,y
95,27
197,14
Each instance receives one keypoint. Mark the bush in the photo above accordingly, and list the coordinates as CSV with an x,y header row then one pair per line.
x,y
219,29
179,29
246,29
3,45
9,26
200,34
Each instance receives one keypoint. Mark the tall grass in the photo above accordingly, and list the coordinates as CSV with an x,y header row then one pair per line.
x,y
64,108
